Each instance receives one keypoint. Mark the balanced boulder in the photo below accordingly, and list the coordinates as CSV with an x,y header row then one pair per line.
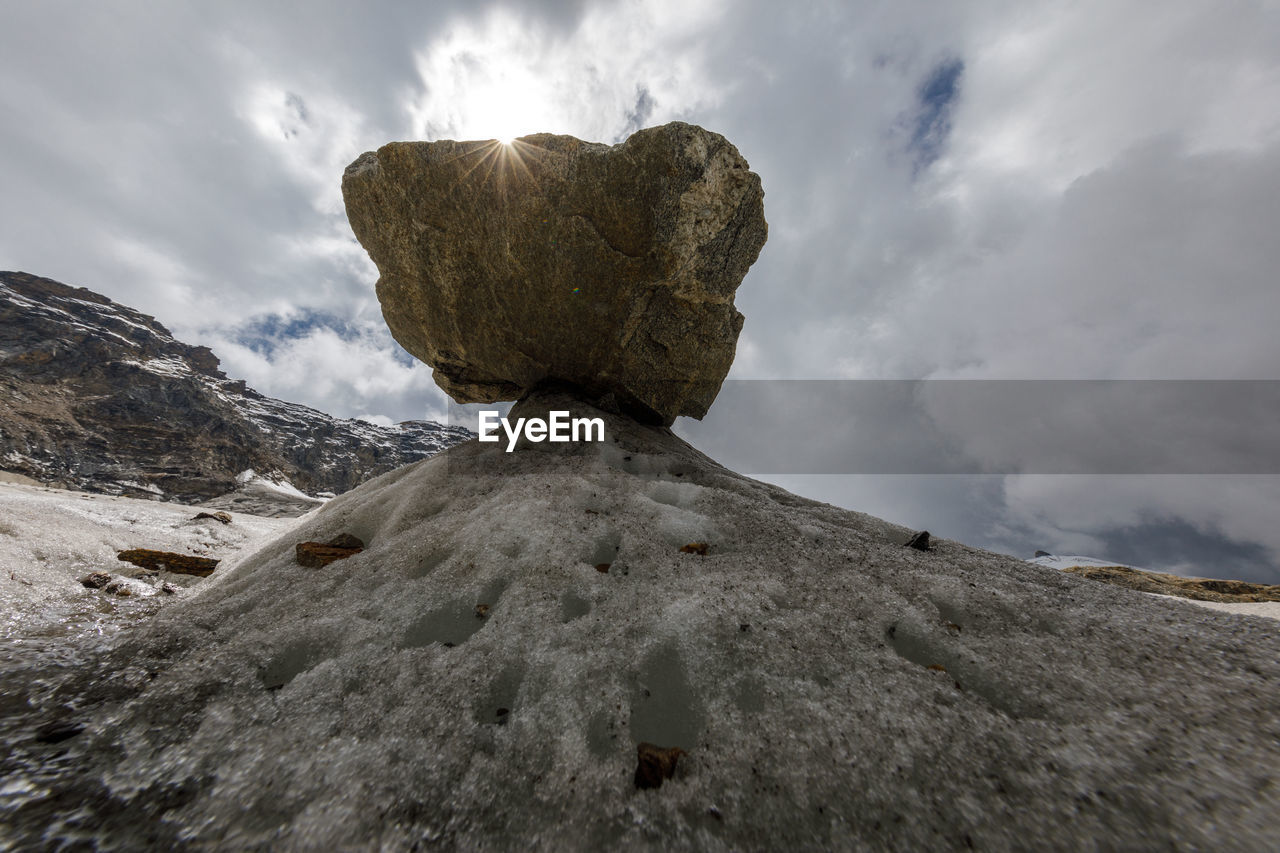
x,y
608,269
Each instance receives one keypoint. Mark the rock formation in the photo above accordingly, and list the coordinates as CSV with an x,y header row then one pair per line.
x,y
99,397
622,644
610,269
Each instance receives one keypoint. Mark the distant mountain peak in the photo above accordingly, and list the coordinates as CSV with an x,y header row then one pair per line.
x,y
98,313
101,397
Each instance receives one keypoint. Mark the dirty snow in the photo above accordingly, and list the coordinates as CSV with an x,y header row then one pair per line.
x,y
832,688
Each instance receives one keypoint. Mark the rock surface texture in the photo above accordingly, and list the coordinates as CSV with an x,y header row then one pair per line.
x,y
829,688
97,396
611,269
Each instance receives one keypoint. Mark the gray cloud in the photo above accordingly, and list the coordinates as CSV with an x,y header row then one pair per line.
x,y
639,116
970,426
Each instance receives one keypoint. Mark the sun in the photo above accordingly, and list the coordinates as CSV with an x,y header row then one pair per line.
x,y
502,104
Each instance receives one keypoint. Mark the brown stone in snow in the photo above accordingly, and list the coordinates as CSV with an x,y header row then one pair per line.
x,y
655,763
316,555
224,517
920,541
157,561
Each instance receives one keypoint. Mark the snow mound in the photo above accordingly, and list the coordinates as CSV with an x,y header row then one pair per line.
x,y
831,688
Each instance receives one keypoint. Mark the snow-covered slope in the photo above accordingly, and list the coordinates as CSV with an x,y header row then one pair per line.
x,y
480,675
99,397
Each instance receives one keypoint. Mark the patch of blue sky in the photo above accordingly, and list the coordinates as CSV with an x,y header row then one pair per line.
x,y
931,124
264,333
401,355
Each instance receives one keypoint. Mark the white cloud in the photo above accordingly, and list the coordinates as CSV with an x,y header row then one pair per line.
x,y
314,136
1057,92
359,376
1156,266
506,74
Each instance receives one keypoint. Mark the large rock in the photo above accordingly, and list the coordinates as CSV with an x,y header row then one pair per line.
x,y
607,268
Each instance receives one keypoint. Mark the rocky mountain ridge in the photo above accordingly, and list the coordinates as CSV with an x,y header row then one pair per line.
x,y
102,398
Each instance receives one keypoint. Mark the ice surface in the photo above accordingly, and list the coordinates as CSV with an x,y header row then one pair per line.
x,y
1269,609
832,688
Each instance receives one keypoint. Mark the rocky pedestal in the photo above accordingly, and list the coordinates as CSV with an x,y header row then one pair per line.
x,y
800,682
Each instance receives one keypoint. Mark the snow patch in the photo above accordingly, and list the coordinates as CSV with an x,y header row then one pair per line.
x,y
1054,561
52,538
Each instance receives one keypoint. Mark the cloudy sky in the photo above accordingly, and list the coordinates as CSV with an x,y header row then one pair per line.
x,y
993,190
